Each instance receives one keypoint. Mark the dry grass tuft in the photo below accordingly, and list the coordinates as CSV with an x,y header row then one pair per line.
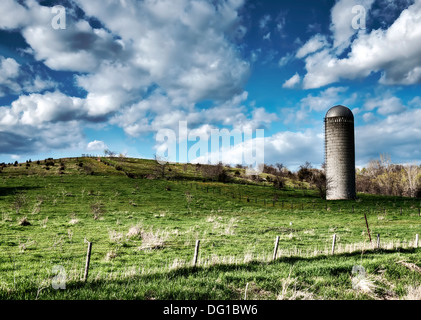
x,y
290,292
153,240
410,266
134,232
110,255
73,221
363,284
115,236
413,293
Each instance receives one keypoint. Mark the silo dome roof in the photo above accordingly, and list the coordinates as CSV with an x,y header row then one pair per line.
x,y
339,111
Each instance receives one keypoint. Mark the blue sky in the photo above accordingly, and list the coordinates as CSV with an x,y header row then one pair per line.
x,y
122,70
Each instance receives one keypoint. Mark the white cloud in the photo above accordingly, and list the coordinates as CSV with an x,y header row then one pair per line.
x,y
324,100
12,15
314,44
397,135
415,102
9,72
394,52
385,105
15,80
264,21
292,82
96,146
285,59
147,67
36,122
342,17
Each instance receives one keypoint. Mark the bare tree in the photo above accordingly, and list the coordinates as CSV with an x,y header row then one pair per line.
x,y
109,153
412,171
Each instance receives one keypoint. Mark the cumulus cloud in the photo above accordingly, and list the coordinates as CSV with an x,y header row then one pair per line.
x,y
292,82
16,80
394,52
315,43
324,100
397,134
145,64
40,122
385,105
342,17
96,146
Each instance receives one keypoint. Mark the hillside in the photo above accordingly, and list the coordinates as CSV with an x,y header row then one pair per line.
x,y
143,229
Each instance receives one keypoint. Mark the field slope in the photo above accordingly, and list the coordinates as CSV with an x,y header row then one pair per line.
x,y
144,227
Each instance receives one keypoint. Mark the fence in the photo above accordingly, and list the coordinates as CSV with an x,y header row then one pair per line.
x,y
78,257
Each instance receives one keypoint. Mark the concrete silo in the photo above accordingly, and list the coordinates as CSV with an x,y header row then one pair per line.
x,y
340,154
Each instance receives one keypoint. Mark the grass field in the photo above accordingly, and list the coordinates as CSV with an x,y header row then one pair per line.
x,y
143,233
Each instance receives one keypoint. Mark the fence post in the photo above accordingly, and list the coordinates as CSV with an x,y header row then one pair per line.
x,y
275,251
333,243
196,253
368,229
378,241
245,292
416,240
88,260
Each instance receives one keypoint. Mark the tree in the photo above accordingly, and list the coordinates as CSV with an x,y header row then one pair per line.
x,y
109,153
318,179
279,180
412,172
304,173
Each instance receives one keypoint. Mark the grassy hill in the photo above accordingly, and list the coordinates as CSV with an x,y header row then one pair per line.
x,y
144,228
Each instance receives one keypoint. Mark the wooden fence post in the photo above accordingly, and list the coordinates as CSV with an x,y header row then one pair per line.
x,y
88,260
245,292
196,253
368,229
378,241
333,244
275,251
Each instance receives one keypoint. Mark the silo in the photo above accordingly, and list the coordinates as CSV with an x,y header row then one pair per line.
x,y
340,154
